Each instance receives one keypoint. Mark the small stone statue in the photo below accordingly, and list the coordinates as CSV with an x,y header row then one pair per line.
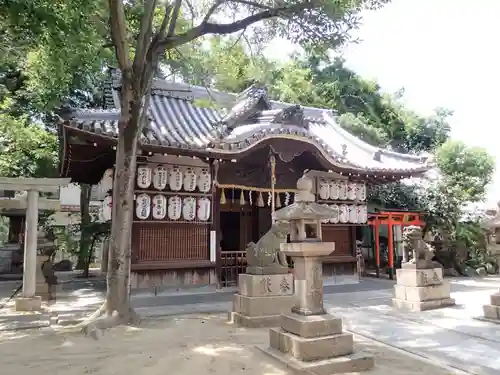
x,y
422,253
265,256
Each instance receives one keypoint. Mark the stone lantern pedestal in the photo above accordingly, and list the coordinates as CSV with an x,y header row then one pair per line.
x,y
309,340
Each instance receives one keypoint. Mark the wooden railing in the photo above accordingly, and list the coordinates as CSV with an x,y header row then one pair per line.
x,y
232,264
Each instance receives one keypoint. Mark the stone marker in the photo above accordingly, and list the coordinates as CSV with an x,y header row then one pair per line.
x,y
266,290
420,285
310,340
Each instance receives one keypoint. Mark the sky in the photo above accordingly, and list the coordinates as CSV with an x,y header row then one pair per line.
x,y
445,53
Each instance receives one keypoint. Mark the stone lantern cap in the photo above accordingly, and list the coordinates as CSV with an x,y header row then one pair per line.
x,y
304,207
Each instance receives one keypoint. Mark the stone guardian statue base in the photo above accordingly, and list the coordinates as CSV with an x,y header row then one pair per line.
x,y
266,289
420,285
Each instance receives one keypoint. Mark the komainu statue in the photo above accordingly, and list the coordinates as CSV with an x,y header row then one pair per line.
x,y
265,256
422,253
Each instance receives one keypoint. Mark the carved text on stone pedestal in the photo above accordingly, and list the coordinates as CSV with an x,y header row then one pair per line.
x,y
435,277
284,285
317,282
265,284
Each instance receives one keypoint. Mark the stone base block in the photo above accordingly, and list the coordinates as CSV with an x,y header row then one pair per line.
x,y
419,265
29,304
265,285
262,306
254,322
356,362
268,270
491,311
312,325
311,349
419,277
422,293
422,305
495,299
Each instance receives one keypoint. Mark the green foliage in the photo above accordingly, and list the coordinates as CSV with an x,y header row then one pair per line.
x,y
469,169
26,149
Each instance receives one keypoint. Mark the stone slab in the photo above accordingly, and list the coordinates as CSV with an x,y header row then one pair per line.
x,y
424,305
265,285
254,322
422,293
495,299
419,265
262,306
311,349
419,277
491,311
28,304
312,325
269,270
356,362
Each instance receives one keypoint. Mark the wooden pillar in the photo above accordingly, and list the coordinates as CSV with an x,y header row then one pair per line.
x,y
390,247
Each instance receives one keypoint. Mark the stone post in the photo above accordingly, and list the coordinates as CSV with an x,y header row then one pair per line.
x,y
309,340
28,300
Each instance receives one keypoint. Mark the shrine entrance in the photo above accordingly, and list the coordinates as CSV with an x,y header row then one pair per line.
x,y
240,224
386,232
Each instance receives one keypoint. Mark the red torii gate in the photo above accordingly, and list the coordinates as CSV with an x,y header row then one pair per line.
x,y
391,218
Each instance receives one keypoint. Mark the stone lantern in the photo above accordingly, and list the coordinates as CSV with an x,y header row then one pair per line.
x,y
309,339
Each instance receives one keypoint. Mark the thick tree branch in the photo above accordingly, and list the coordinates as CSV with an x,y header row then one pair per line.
x,y
205,28
119,33
211,10
145,34
174,18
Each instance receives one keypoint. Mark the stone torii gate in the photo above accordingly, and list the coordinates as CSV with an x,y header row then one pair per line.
x,y
34,186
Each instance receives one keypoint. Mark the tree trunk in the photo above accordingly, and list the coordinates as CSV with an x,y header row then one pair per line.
x,y
120,243
85,191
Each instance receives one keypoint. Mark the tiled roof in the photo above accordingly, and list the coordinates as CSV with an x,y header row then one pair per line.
x,y
176,122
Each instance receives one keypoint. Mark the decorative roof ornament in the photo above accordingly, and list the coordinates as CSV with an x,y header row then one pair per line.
x,y
292,115
249,102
